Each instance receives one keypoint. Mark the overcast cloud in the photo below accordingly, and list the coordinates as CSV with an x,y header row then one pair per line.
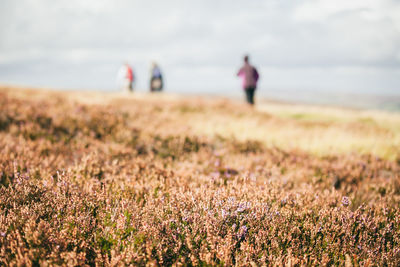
x,y
317,45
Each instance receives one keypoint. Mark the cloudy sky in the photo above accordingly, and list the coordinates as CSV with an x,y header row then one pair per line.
x,y
304,45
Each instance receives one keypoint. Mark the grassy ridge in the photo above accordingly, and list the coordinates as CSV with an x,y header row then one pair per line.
x,y
89,178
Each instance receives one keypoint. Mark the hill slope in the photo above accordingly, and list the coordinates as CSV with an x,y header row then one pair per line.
x,y
132,179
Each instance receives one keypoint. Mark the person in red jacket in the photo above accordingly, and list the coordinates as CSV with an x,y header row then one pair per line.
x,y
126,77
249,75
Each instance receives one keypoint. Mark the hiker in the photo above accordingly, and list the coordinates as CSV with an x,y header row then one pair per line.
x,y
126,77
249,76
156,79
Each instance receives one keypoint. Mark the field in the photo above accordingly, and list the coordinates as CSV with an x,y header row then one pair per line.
x,y
114,179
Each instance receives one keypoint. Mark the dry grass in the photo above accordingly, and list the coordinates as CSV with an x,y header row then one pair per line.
x,y
114,179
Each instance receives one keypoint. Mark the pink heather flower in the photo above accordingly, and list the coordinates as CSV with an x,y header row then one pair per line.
x,y
224,214
243,207
231,199
345,201
234,227
215,175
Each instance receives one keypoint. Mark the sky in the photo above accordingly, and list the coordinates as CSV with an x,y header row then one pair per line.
x,y
345,46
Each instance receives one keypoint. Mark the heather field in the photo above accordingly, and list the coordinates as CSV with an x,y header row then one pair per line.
x,y
112,179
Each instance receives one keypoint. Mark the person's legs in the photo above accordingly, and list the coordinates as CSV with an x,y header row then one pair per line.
x,y
250,95
151,84
127,85
247,95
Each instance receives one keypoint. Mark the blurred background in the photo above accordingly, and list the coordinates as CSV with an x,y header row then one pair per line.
x,y
313,51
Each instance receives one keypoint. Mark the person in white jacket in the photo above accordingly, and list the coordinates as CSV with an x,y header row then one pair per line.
x,y
125,77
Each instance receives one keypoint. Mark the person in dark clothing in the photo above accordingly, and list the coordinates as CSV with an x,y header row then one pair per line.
x,y
250,76
156,80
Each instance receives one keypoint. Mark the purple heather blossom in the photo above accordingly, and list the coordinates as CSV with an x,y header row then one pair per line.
x,y
345,201
231,200
224,213
243,206
234,227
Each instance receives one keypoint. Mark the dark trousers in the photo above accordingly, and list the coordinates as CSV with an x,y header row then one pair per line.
x,y
250,95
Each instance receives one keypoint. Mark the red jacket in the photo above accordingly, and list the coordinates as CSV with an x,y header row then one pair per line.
x,y
129,73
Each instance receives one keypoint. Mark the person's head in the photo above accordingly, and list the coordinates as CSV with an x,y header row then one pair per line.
x,y
246,58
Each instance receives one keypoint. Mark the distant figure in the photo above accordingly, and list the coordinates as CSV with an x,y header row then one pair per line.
x,y
126,78
156,80
249,76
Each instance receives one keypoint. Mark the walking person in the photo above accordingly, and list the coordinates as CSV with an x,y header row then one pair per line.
x,y
156,79
126,77
249,75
